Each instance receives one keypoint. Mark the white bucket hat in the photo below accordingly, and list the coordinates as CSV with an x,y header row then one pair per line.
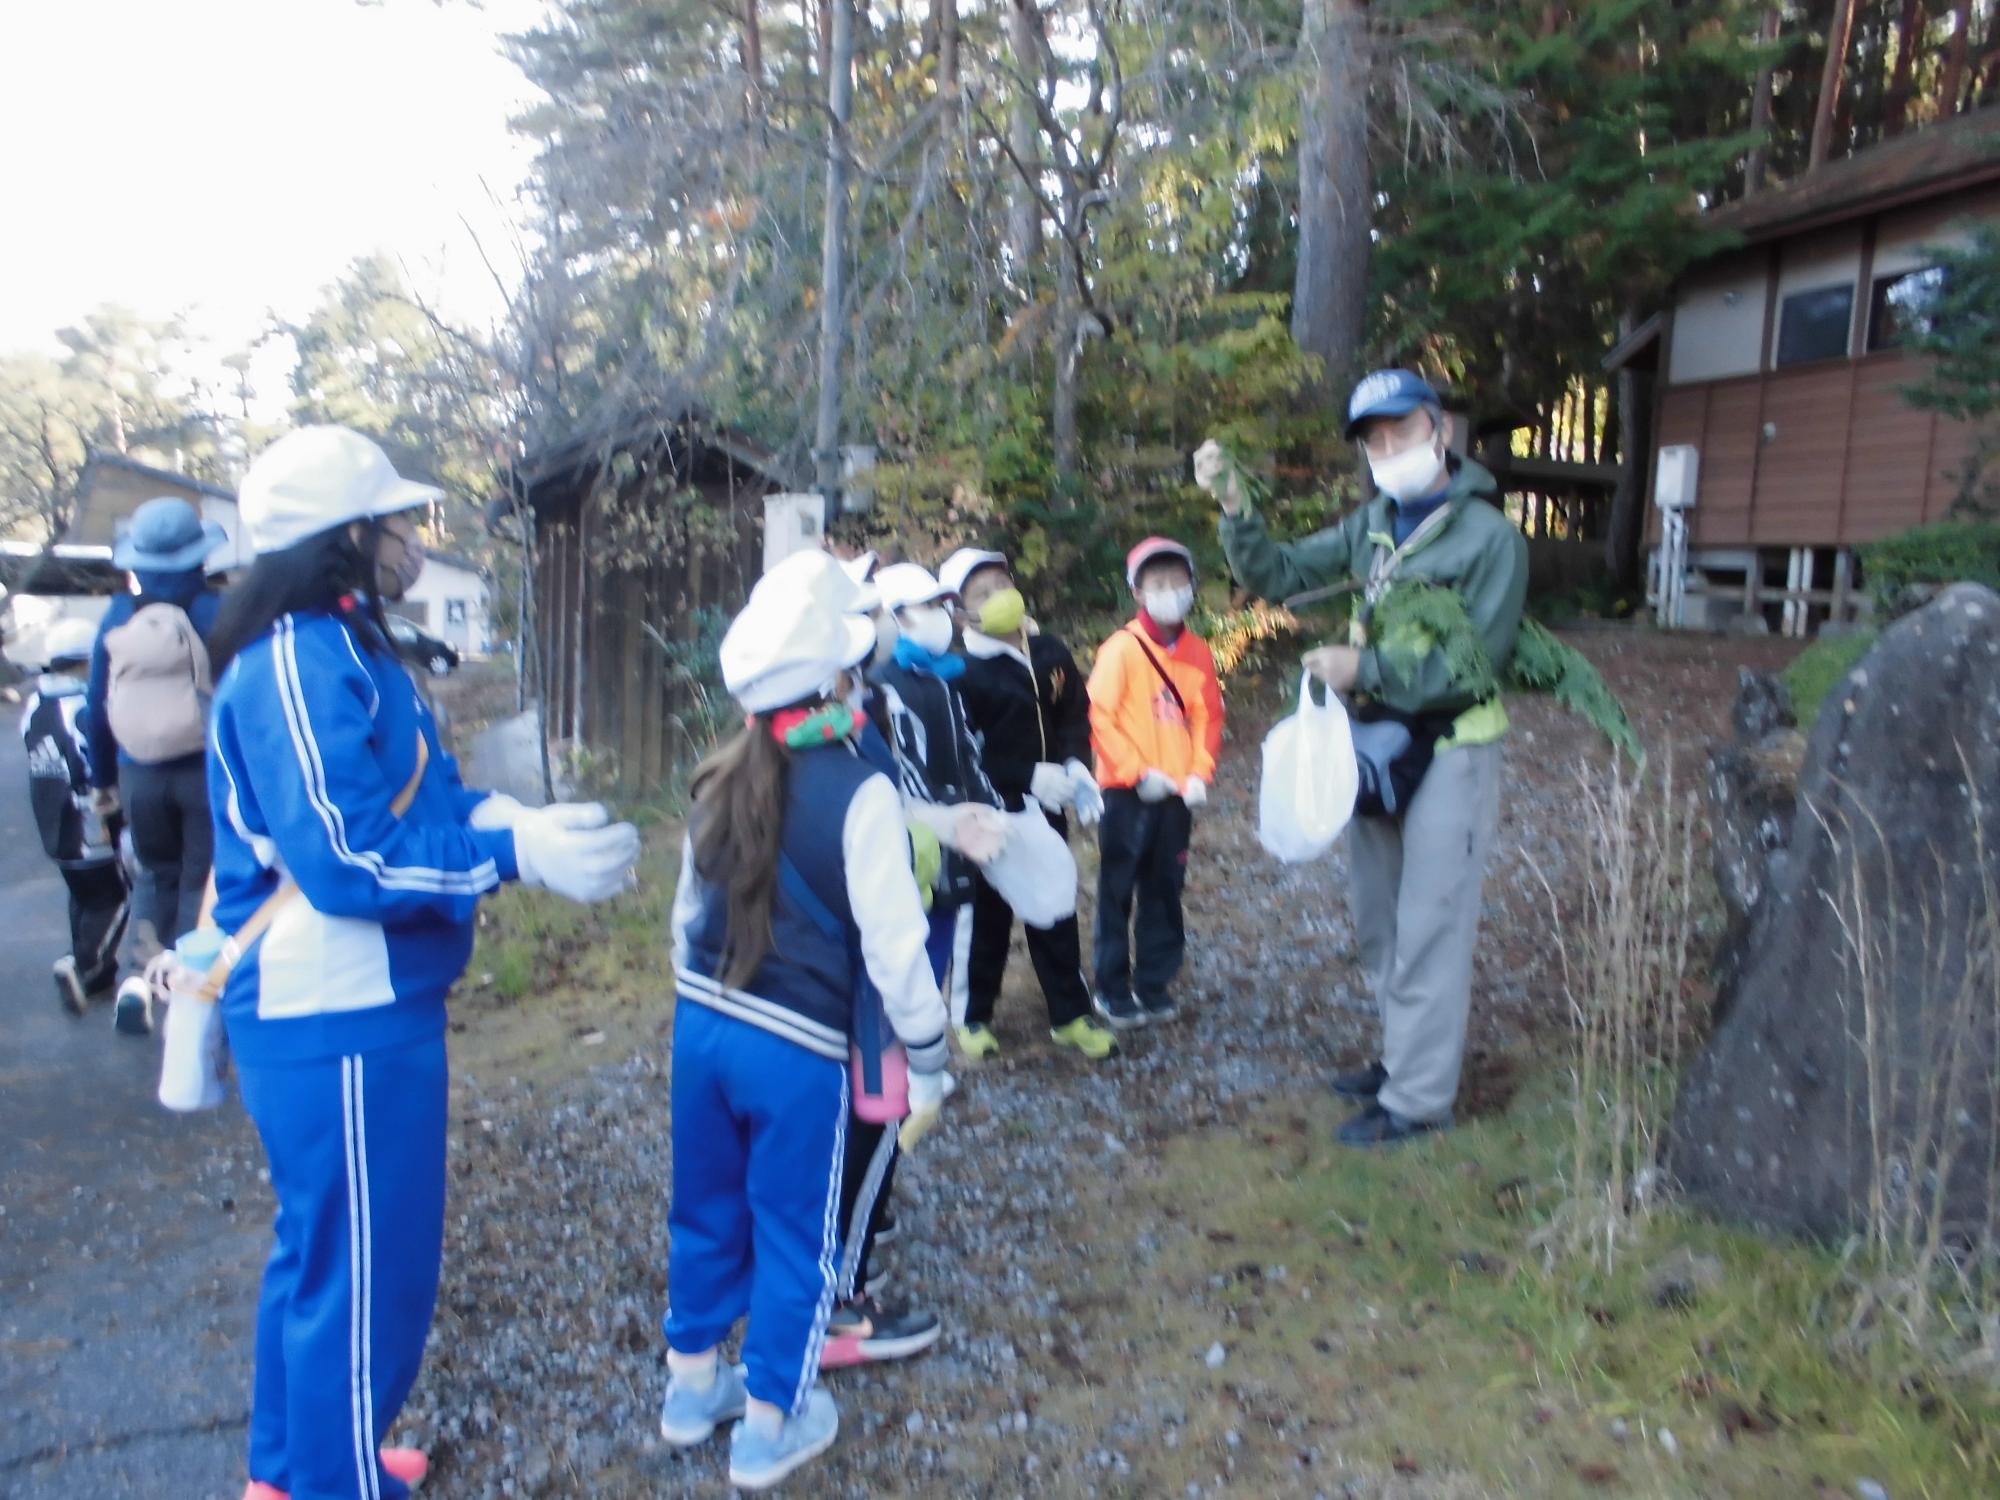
x,y
794,635
318,478
902,585
963,563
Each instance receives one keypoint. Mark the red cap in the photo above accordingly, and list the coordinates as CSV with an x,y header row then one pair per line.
x,y
1146,551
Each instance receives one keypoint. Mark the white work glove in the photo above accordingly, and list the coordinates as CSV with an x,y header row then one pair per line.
x,y
1050,786
1157,786
977,832
1195,793
928,1091
575,850
499,811
1084,794
162,973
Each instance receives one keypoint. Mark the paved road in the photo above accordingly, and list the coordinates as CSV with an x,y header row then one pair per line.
x,y
130,1239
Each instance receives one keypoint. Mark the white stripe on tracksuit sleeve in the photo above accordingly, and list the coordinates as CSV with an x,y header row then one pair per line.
x,y
327,802
882,894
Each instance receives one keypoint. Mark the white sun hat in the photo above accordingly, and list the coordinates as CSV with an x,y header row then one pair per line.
x,y
794,635
317,478
963,563
905,584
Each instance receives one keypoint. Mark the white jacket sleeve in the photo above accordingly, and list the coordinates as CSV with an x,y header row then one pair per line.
x,y
882,894
687,904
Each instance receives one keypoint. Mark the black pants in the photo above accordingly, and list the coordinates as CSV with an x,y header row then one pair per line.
x,y
166,807
864,1198
1143,853
99,903
1056,952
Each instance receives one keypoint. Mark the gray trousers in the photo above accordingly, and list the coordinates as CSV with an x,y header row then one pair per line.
x,y
1415,899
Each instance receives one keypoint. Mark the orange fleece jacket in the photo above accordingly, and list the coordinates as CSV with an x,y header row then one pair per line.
x,y
1135,725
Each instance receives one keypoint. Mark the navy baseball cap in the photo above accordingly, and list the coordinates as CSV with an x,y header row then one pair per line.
x,y
1389,393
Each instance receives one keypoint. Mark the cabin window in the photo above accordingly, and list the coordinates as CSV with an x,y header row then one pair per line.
x,y
1901,306
1815,324
454,611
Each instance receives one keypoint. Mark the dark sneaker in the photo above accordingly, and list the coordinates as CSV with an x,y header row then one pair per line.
x,y
134,1013
69,987
1121,1012
1365,1084
1376,1126
1160,1007
865,1331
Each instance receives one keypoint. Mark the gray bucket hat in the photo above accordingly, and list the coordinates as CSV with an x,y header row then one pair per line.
x,y
166,535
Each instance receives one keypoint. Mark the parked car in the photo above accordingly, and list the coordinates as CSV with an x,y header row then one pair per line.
x,y
439,658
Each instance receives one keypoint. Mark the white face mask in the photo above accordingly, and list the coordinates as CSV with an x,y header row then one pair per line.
x,y
1169,606
1411,474
928,627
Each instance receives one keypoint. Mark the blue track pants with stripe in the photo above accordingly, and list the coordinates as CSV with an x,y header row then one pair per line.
x,y
753,1223
357,1148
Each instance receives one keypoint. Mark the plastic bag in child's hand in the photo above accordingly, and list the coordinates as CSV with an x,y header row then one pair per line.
x,y
1035,873
1310,779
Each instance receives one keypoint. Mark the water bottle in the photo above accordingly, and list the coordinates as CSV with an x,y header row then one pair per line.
x,y
191,1062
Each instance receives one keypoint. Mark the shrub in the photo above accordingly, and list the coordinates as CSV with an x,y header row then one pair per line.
x,y
1947,552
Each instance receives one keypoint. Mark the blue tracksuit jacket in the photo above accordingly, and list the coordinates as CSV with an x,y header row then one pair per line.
x,y
312,739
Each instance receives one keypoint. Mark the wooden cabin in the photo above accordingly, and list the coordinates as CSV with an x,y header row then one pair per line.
x,y
1781,441
643,534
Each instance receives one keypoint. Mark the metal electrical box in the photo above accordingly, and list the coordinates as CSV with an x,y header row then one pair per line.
x,y
792,523
1676,477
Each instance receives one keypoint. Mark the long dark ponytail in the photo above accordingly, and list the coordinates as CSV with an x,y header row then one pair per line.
x,y
736,825
327,573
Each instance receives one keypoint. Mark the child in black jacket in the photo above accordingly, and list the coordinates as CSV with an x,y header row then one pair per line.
x,y
1026,700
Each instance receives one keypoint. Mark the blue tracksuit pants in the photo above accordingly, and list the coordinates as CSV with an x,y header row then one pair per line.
x,y
356,1147
753,1223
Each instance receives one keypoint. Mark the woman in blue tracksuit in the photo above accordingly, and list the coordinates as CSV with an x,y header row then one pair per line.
x,y
349,860
795,883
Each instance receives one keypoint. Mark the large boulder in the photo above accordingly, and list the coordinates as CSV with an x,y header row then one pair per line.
x,y
1854,1057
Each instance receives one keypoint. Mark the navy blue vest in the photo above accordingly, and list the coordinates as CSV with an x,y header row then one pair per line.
x,y
804,991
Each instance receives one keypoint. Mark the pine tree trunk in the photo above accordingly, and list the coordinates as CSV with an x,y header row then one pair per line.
x,y
1024,213
1839,35
1329,294
1953,85
833,246
1758,167
1068,378
753,63
1909,36
944,28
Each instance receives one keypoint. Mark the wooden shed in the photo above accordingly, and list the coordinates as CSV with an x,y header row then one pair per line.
x,y
640,536
1778,420
112,486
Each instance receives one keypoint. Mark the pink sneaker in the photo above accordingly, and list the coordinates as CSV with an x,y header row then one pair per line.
x,y
407,1464
258,1490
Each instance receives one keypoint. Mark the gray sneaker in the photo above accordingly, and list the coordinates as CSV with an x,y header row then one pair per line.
x,y
759,1460
688,1416
134,1013
69,986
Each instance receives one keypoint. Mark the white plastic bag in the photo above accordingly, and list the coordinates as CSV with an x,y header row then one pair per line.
x,y
192,1059
1034,873
1310,779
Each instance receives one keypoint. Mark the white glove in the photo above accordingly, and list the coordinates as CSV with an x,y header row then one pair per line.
x,y
928,1091
978,832
1157,786
1084,795
575,850
1050,786
1195,793
498,811
163,972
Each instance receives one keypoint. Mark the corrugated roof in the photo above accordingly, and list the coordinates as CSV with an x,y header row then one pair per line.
x,y
1959,152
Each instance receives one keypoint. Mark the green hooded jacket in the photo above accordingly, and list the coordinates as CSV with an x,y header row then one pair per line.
x,y
1475,550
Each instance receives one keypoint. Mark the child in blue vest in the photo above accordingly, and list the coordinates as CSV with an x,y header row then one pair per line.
x,y
349,863
795,884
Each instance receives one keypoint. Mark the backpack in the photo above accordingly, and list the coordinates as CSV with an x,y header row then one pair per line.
x,y
157,704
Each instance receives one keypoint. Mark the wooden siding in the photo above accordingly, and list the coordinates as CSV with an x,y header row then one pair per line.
x,y
1850,461
610,683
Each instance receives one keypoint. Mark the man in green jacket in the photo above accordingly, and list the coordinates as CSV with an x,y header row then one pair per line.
x,y
1415,876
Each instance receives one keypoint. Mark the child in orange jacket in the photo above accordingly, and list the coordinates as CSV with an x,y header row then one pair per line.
x,y
1156,729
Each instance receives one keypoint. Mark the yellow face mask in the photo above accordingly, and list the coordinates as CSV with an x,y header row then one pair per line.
x,y
1003,612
